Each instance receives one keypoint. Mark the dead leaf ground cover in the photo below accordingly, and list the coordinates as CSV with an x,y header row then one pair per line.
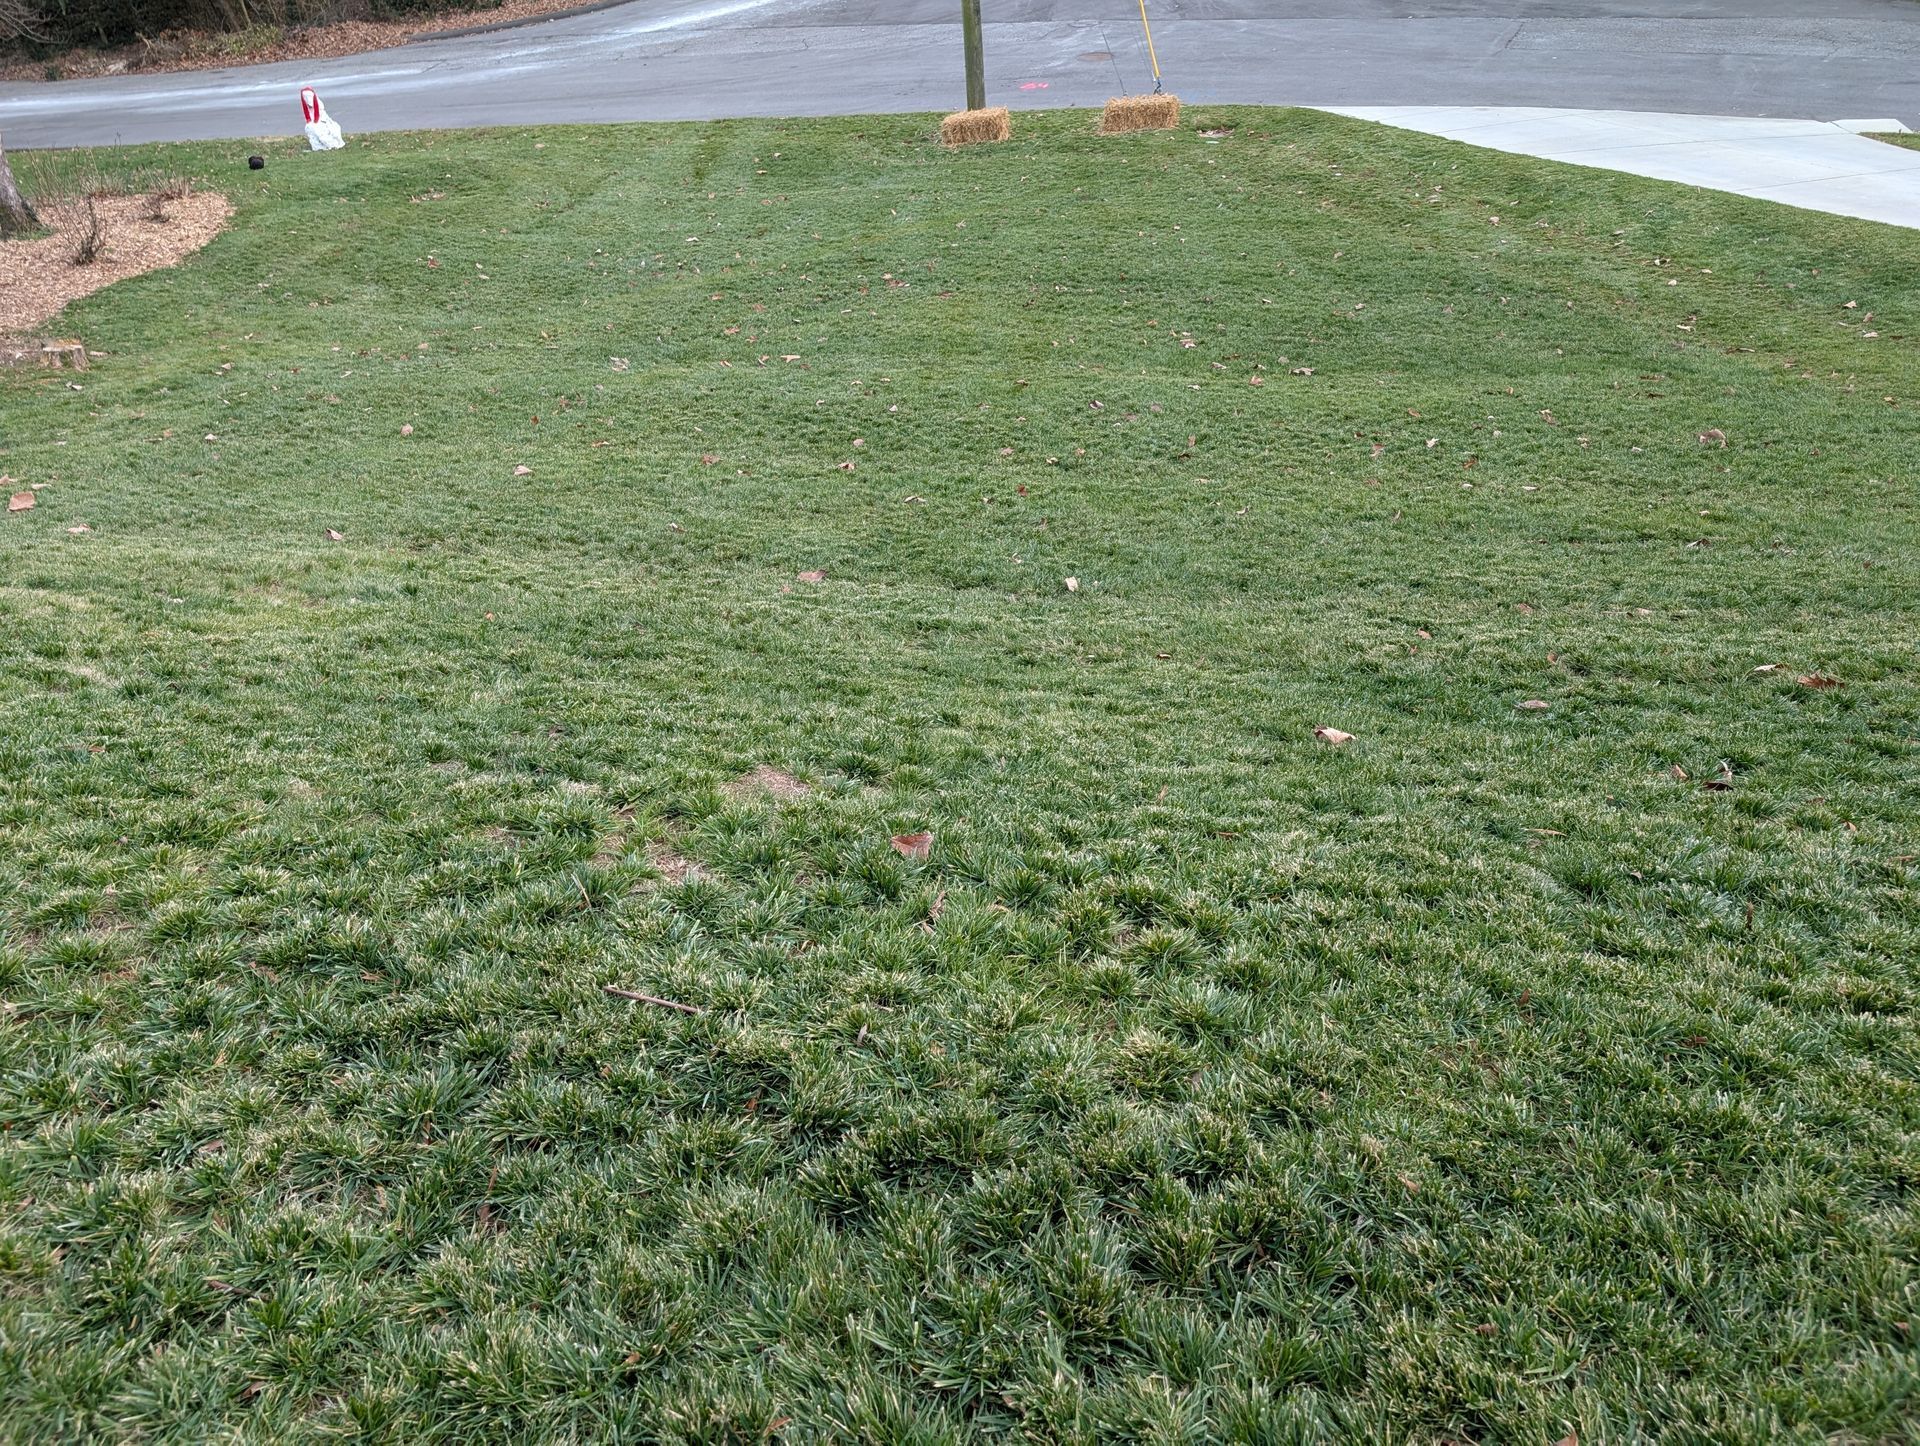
x,y
1490,1076
261,44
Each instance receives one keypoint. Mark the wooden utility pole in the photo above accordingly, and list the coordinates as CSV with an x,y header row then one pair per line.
x,y
16,216
976,55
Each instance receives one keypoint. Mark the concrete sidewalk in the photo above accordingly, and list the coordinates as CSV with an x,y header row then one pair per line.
x,y
1819,165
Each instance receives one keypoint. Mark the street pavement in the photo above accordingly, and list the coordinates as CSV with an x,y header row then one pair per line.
x,y
700,59
1659,87
1819,165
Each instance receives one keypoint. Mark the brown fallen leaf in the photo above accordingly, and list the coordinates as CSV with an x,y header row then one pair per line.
x,y
1722,781
21,501
78,528
811,575
1073,584
1333,737
1817,680
1679,773
1767,668
707,459
1533,705
407,430
846,466
333,536
913,845
523,470
1713,437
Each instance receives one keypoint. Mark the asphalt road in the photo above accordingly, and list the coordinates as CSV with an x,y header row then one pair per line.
x,y
698,59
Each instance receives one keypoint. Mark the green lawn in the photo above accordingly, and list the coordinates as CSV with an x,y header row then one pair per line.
x,y
1492,1077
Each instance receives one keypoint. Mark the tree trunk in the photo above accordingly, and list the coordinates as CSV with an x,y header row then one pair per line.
x,y
16,216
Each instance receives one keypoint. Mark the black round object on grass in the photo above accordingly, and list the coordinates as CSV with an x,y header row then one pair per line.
x,y
256,163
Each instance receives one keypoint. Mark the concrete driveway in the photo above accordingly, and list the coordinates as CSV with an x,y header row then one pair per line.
x,y
697,59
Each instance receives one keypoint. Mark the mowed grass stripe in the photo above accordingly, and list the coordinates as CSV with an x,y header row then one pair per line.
x,y
1487,1077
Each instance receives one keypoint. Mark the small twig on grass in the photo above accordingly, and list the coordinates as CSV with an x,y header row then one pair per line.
x,y
654,999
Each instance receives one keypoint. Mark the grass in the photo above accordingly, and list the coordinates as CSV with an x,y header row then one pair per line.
x,y
1483,1078
1899,138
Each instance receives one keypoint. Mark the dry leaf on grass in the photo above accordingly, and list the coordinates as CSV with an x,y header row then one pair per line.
x,y
333,536
407,430
20,501
78,528
523,470
913,845
1533,705
1333,736
1817,680
1712,437
812,574
1073,584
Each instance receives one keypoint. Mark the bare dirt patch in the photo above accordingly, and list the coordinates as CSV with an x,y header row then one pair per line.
x,y
200,50
673,868
38,276
772,782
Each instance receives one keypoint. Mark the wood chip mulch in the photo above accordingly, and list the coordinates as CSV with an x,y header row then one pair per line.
x,y
38,277
192,50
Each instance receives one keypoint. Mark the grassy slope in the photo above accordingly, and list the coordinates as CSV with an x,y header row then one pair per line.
x,y
1480,1079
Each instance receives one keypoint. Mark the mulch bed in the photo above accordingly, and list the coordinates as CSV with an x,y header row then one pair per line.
x,y
38,277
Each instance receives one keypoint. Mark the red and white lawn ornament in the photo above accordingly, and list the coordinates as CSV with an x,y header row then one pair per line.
x,y
323,131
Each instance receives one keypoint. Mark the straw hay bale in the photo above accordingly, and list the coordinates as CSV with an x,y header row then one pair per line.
x,y
971,127
1140,113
